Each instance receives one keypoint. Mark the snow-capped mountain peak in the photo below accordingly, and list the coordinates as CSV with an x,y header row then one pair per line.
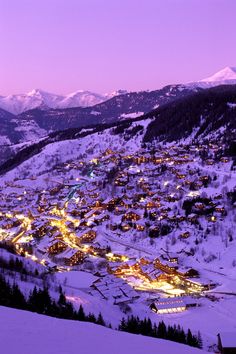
x,y
116,93
228,73
81,98
35,92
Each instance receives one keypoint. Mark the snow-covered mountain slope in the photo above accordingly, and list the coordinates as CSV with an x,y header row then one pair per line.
x,y
116,93
38,334
207,113
228,73
70,142
17,104
226,76
81,99
8,132
37,98
115,109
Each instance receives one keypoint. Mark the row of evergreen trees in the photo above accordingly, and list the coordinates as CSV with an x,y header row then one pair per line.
x,y
174,333
17,265
41,302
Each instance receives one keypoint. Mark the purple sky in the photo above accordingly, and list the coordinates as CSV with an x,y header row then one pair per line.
x,y
102,45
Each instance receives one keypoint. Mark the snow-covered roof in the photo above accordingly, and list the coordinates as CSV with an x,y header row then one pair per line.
x,y
228,339
169,303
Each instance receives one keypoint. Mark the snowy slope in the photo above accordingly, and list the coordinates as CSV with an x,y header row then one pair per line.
x,y
38,334
17,104
228,73
226,76
69,149
81,99
37,98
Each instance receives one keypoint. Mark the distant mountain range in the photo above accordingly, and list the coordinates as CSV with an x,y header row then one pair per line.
x,y
38,122
37,98
17,104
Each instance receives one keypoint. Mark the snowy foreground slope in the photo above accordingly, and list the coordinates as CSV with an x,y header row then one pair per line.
x,y
29,333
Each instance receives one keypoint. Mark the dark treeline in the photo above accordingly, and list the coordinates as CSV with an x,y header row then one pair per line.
x,y
17,265
41,302
173,333
8,246
177,119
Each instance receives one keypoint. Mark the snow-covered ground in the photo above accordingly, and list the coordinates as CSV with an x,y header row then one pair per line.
x,y
24,332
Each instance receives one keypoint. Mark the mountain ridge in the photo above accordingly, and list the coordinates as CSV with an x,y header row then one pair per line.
x,y
38,98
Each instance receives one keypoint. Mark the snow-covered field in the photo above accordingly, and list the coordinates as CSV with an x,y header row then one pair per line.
x,y
23,332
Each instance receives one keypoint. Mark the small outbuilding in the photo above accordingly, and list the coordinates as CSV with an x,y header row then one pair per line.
x,y
227,342
168,305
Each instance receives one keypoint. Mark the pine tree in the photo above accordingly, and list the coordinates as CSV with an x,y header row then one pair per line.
x,y
161,330
62,299
18,299
91,318
81,314
199,339
122,325
100,320
189,338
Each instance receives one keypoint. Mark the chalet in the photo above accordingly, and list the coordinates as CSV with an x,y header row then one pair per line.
x,y
180,218
108,152
227,342
115,289
154,231
140,226
173,258
204,178
125,227
121,210
192,218
74,257
98,204
180,175
112,203
121,182
8,224
197,184
88,236
220,209
191,273
113,227
224,159
131,216
101,218
168,306
157,160
153,204
56,247
185,234
199,206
